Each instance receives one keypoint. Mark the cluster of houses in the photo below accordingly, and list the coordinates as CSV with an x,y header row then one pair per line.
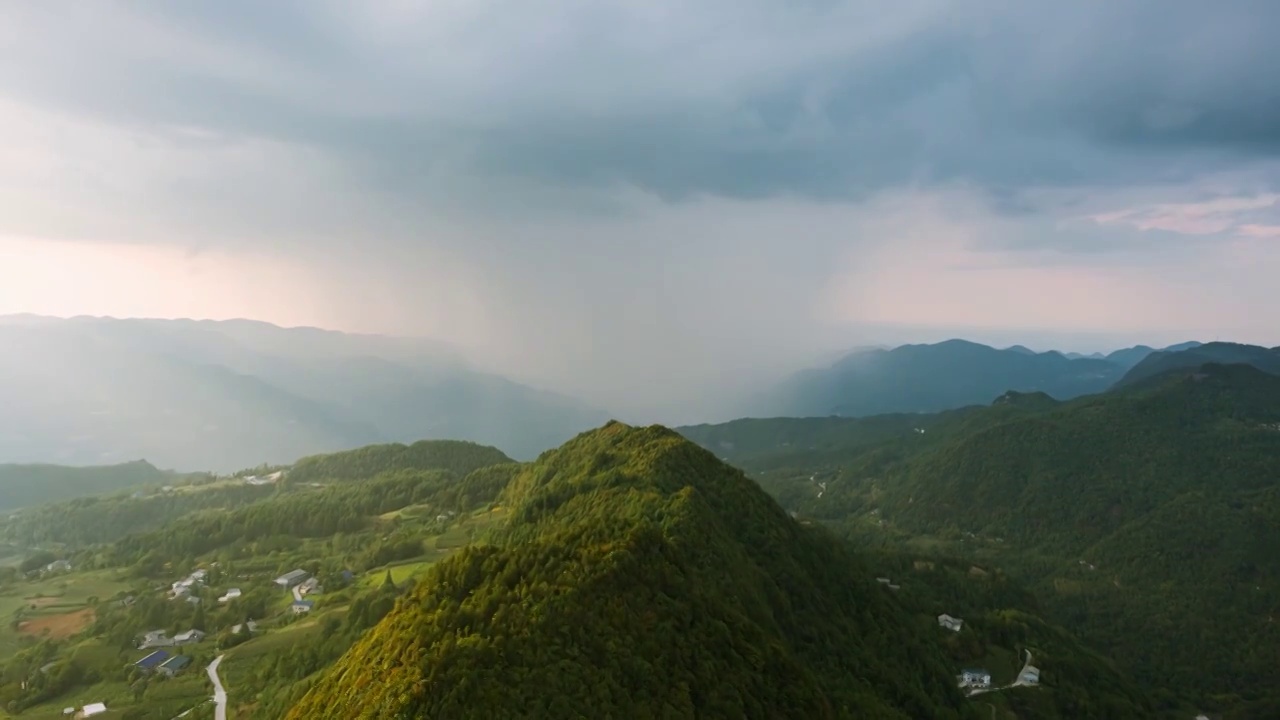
x,y
160,638
184,587
300,583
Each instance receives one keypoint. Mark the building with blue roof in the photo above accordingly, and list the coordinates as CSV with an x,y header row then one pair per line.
x,y
152,661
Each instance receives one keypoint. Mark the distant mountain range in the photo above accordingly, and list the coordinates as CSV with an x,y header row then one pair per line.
x,y
1159,363
951,374
205,395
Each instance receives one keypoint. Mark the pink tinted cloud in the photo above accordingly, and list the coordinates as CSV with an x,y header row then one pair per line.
x,y
1209,217
1259,231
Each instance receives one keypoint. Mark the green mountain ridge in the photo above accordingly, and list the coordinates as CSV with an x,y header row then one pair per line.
x,y
1146,518
627,571
1189,359
36,484
638,577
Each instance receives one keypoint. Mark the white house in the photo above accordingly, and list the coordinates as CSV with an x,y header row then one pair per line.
x,y
190,636
310,585
950,623
154,639
93,709
230,595
975,679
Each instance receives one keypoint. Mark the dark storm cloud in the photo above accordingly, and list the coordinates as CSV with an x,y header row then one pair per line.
x,y
747,100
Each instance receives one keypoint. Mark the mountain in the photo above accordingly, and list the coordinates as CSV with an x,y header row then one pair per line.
x,y
1187,358
930,378
637,576
27,485
1147,519
232,394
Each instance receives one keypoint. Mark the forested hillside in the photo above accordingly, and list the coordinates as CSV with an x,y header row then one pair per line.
x,y
628,572
1147,519
362,525
638,576
28,485
456,456
1267,360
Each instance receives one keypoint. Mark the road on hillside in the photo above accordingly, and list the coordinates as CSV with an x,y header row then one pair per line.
x,y
1018,680
219,692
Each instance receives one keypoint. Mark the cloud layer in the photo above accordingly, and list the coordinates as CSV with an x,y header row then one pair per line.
x,y
658,200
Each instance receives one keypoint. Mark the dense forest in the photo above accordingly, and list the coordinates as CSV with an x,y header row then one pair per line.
x,y
455,456
1147,519
28,485
639,576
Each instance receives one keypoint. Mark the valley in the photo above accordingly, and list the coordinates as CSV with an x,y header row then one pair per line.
x,y
1030,558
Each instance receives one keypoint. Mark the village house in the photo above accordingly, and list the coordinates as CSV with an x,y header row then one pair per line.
x,y
174,665
156,638
152,661
252,627
186,585
302,606
294,577
93,709
230,595
975,678
190,636
950,623
58,566
308,586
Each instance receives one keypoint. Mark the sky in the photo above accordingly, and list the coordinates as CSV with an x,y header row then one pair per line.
x,y
652,203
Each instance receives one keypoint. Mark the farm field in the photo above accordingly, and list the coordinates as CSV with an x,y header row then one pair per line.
x,y
60,604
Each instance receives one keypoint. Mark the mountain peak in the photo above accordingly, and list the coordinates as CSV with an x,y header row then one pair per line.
x,y
637,575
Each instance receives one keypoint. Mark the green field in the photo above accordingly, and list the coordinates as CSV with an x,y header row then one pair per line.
x,y
58,595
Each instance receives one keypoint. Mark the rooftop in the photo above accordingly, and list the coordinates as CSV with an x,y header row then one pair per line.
x,y
177,662
153,659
